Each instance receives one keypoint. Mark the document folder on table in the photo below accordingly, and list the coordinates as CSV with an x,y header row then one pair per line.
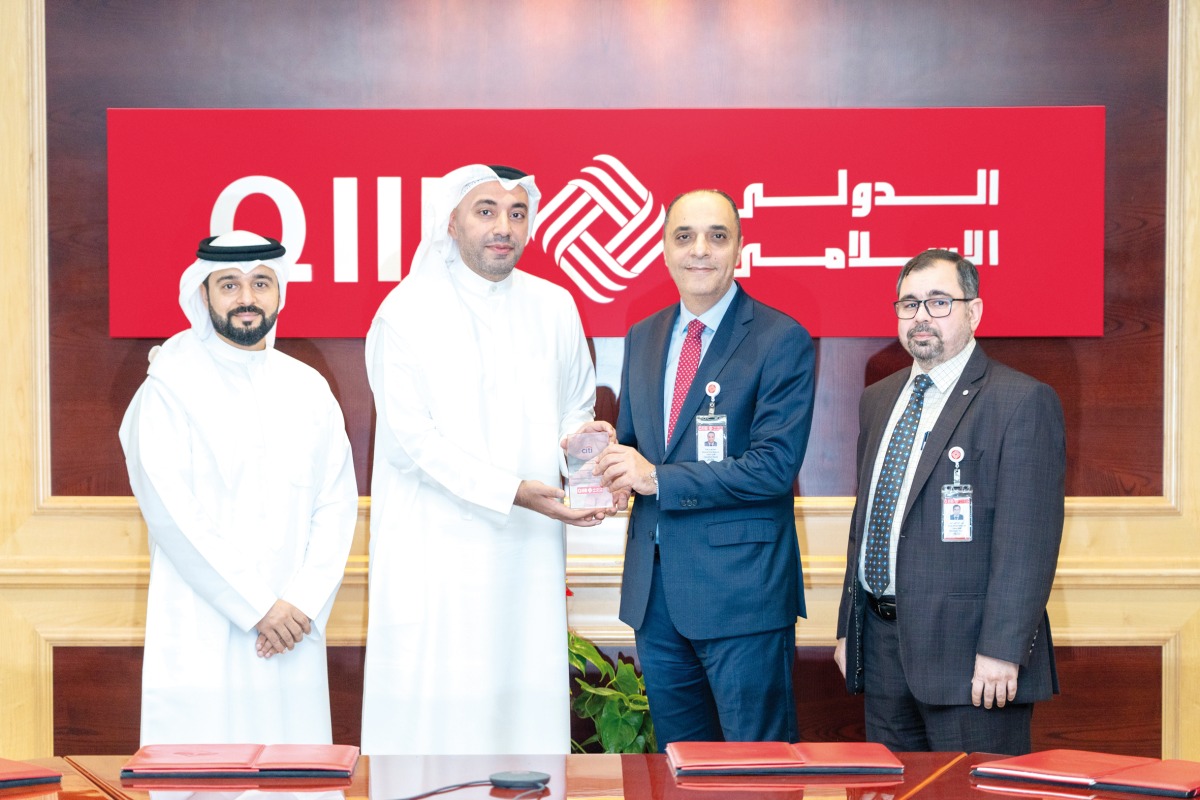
x,y
781,758
18,773
1099,771
242,761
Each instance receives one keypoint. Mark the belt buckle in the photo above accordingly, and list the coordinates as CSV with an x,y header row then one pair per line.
x,y
885,607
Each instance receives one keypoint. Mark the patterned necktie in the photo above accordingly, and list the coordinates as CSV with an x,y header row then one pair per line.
x,y
887,488
689,362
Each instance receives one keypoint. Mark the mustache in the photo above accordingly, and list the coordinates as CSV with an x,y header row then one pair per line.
x,y
246,310
924,327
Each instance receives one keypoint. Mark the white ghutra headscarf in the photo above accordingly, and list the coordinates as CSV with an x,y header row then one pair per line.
x,y
240,250
437,249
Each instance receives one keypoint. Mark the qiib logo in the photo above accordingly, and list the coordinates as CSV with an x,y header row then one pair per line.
x,y
603,229
832,201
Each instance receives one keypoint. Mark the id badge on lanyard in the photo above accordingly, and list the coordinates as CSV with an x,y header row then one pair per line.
x,y
711,428
956,503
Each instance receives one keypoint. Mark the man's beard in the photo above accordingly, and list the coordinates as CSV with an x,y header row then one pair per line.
x,y
240,334
928,350
474,255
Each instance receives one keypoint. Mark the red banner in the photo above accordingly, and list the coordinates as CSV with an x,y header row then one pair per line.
x,y
833,202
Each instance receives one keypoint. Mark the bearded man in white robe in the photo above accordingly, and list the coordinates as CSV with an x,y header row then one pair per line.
x,y
238,457
479,370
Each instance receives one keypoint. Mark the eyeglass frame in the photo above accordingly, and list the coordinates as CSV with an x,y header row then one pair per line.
x,y
925,303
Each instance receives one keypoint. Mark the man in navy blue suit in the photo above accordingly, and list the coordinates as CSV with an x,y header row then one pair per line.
x,y
712,584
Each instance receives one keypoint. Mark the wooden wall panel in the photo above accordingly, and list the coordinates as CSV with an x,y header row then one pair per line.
x,y
73,569
97,699
623,53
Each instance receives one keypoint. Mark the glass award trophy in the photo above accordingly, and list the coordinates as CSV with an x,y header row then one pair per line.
x,y
583,488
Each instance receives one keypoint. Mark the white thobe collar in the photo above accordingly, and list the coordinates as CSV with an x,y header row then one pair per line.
x,y
225,352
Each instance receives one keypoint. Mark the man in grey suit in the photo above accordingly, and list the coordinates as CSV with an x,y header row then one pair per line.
x,y
712,584
943,619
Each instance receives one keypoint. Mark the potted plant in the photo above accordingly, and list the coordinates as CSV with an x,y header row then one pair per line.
x,y
616,702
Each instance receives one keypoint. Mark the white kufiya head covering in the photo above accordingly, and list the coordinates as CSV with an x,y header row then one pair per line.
x,y
437,249
237,249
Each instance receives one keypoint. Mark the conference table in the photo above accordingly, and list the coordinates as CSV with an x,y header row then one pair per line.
x,y
927,776
73,786
634,777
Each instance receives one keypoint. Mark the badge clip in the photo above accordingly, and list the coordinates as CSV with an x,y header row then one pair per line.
x,y
712,389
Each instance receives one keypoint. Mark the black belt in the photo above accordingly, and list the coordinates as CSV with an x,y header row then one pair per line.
x,y
884,607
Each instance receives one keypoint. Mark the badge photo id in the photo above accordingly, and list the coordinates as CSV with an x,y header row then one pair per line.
x,y
710,428
710,438
956,503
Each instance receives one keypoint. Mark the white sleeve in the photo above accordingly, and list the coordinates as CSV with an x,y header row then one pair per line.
x,y
156,440
334,514
577,392
404,427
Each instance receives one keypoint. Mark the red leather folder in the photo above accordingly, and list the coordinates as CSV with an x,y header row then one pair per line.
x,y
746,785
1041,791
246,783
1099,771
1172,778
242,761
18,773
781,758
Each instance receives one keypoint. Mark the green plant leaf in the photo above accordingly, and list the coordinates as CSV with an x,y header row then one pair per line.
x,y
638,745
584,649
602,691
616,730
638,702
627,679
593,704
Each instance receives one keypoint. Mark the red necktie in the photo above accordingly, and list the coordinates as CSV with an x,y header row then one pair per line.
x,y
689,362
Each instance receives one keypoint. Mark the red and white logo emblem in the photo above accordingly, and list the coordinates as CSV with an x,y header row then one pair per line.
x,y
602,229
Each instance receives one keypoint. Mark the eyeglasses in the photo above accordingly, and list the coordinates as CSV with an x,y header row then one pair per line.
x,y
934,306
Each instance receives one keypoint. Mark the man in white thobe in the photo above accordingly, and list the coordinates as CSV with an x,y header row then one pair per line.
x,y
238,457
478,370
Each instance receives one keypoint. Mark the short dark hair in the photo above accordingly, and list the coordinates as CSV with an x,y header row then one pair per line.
x,y
968,276
736,216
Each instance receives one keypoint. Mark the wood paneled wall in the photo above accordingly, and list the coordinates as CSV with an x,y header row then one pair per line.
x,y
97,699
624,53
73,560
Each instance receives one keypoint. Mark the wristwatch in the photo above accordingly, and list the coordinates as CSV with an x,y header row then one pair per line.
x,y
654,477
